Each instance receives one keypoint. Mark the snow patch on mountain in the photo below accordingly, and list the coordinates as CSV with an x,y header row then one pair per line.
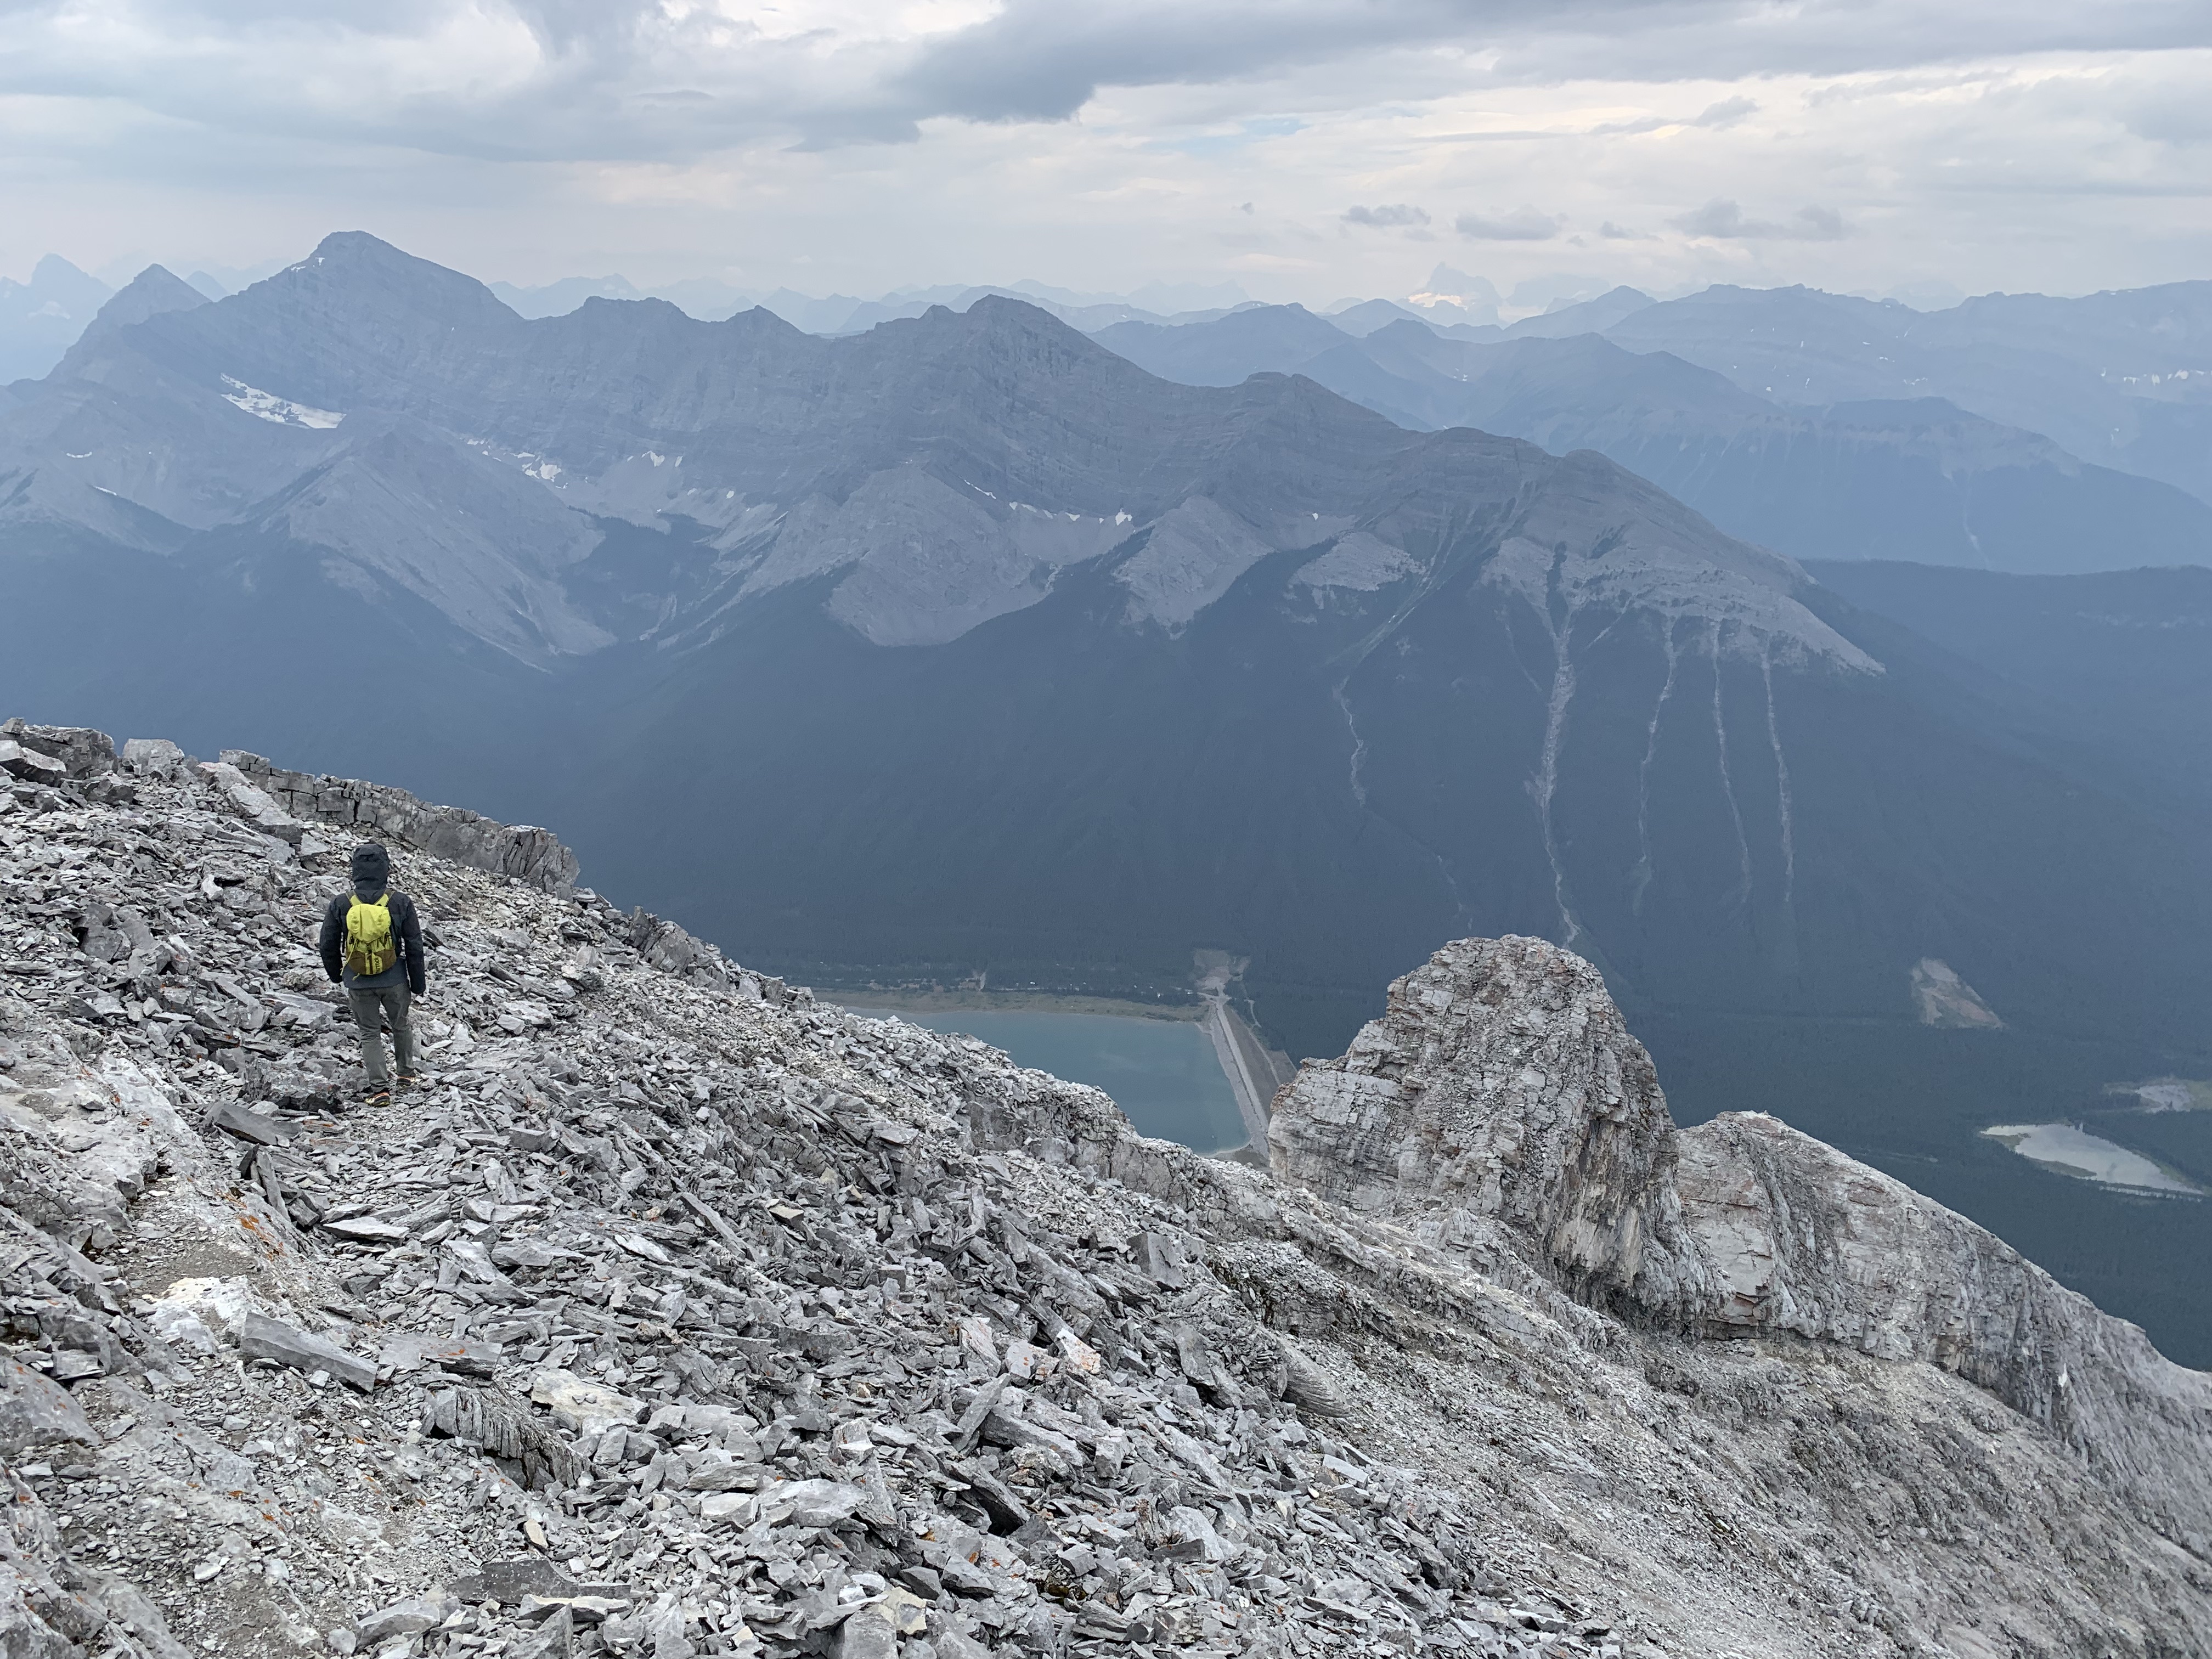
x,y
282,412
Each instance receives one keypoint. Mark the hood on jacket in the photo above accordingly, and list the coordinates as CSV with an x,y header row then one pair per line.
x,y
372,869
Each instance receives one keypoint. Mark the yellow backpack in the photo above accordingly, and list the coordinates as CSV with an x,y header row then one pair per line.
x,y
369,949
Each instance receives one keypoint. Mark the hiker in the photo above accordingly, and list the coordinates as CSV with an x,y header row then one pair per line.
x,y
373,944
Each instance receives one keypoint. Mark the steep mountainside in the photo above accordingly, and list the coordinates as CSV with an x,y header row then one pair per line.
x,y
967,646
1912,477
2123,660
678,1316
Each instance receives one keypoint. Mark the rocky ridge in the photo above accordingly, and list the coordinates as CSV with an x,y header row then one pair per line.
x,y
680,1315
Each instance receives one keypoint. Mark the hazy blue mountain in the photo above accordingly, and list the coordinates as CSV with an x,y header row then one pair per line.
x,y
558,299
1363,319
712,300
1583,317
1226,350
1917,479
153,291
966,642
40,318
2121,380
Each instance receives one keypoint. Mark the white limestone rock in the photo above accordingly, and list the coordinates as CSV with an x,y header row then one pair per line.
x,y
1500,1086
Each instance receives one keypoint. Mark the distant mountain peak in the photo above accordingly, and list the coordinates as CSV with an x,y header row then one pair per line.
x,y
151,293
360,245
349,266
52,268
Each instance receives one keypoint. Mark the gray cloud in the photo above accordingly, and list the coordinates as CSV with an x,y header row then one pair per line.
x,y
1043,59
844,144
1523,224
1391,214
638,79
1723,221
1727,112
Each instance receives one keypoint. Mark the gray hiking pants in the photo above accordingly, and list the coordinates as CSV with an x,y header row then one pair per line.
x,y
373,1004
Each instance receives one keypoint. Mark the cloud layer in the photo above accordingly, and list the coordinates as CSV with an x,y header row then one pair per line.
x,y
1303,143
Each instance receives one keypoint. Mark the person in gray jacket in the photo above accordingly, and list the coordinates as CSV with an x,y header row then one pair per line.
x,y
373,944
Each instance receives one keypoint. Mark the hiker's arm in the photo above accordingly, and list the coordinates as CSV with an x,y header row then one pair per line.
x,y
333,962
410,946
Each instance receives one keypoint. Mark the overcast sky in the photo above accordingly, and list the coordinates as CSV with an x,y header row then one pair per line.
x,y
1306,150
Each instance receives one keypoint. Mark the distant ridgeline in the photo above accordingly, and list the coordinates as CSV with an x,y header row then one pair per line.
x,y
967,644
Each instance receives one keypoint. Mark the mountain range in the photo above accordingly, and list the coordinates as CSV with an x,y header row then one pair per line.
x,y
1900,474
968,645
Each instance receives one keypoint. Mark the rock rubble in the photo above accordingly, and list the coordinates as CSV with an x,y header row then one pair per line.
x,y
679,1315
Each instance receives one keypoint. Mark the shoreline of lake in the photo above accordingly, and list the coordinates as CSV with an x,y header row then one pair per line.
x,y
935,1001
1165,1074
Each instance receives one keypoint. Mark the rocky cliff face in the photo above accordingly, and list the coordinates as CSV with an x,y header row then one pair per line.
x,y
677,1315
1501,1098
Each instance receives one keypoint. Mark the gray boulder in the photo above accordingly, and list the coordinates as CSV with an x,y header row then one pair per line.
x,y
81,752
35,1413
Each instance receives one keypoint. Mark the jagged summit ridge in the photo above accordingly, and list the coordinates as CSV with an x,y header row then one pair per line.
x,y
683,1316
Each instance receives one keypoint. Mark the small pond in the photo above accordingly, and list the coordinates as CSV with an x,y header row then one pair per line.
x,y
1163,1073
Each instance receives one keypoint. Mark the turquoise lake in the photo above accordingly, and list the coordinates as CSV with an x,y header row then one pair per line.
x,y
1163,1073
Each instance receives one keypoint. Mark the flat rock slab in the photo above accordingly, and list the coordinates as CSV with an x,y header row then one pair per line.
x,y
235,1119
367,1230
260,1338
585,1409
820,1503
410,1352
410,1617
516,1580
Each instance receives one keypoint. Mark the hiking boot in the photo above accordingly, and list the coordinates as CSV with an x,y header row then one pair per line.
x,y
377,1096
406,1079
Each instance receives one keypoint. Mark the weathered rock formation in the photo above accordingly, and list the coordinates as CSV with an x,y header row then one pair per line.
x,y
1500,1096
678,1314
1501,1089
522,850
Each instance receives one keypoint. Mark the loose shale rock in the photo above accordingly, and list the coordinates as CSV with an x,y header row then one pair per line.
x,y
678,1314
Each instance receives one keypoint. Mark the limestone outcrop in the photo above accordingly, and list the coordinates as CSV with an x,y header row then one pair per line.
x,y
1501,1089
1501,1098
1799,1239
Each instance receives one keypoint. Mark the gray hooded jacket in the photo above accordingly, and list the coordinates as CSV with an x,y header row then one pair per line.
x,y
372,871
